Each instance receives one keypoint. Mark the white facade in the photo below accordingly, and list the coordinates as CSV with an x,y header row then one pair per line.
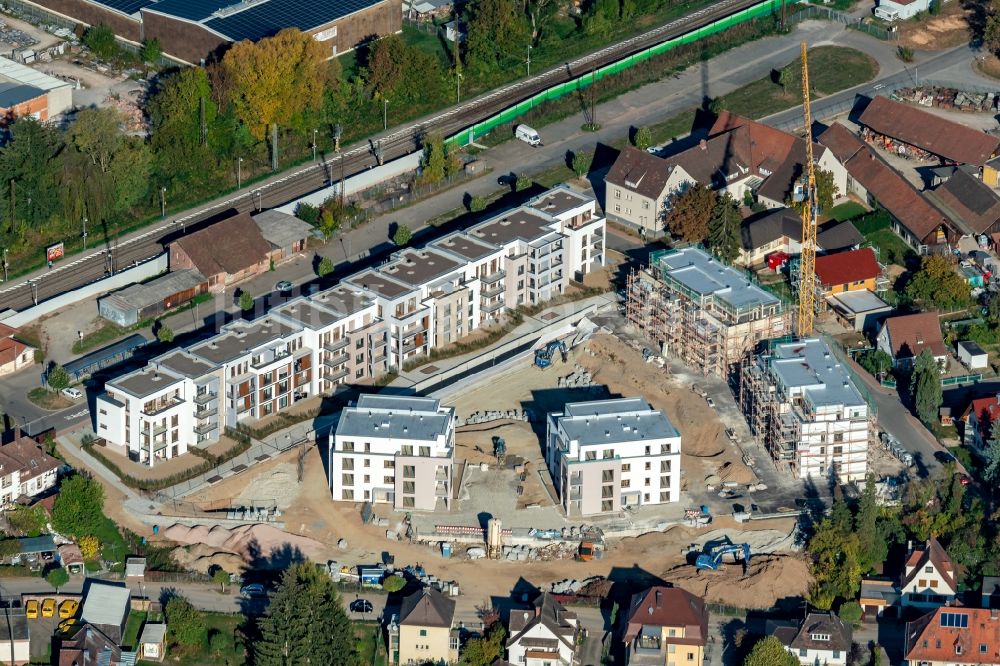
x,y
814,656
607,454
396,450
900,10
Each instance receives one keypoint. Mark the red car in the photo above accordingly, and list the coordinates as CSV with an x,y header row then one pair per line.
x,y
964,479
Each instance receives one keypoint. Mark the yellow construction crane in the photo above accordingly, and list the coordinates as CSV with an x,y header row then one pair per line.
x,y
807,260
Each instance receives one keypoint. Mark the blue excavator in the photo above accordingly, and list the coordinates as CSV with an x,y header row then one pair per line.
x,y
543,355
711,559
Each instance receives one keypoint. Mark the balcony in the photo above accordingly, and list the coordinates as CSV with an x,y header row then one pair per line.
x,y
159,430
442,475
268,359
336,345
494,277
374,343
161,406
492,307
492,291
334,361
335,375
206,428
205,397
205,413
412,346
378,359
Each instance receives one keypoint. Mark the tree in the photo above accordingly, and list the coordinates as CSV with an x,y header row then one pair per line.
x,y
432,163
305,621
9,548
218,642
486,650
57,577
101,40
785,78
724,229
991,31
57,377
79,507
836,565
875,362
402,236
393,583
325,267
90,546
643,138
246,301
872,546
581,163
850,612
691,212
769,652
184,622
151,50
164,334
221,578
991,471
328,223
496,32
27,521
926,380
826,189
936,285
399,72
30,165
178,107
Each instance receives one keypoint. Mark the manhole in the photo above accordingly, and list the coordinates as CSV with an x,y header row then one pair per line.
x,y
430,369
548,316
214,479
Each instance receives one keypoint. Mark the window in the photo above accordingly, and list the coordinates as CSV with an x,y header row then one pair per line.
x,y
627,467
649,465
347,464
423,632
348,495
982,648
690,656
408,503
367,462
626,483
820,637
590,455
928,569
425,451
409,472
647,482
347,479
388,480
389,464
409,487
607,475
606,492
665,466
803,652
671,632
607,505
406,450
608,453
836,654
347,446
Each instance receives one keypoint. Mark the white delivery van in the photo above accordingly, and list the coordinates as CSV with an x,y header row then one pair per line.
x,y
528,135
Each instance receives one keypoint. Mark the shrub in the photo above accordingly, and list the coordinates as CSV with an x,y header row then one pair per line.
x,y
850,612
477,204
403,236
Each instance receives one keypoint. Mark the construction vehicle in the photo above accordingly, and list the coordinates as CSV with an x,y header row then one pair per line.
x,y
711,560
588,551
807,258
543,356
499,449
697,517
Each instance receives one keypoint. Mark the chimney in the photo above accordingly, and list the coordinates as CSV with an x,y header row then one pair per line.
x,y
538,611
703,144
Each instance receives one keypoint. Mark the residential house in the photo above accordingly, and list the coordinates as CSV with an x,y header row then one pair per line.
x,y
394,449
15,638
425,632
544,635
636,189
861,310
71,558
821,638
14,354
907,130
780,230
604,455
26,470
286,234
152,641
870,178
855,270
929,578
906,336
106,607
900,10
665,626
227,252
805,408
969,203
877,596
90,645
953,637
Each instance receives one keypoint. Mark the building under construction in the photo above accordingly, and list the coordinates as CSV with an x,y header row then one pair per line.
x,y
701,311
805,408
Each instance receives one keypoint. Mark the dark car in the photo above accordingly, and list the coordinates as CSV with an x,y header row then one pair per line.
x,y
253,591
506,179
944,458
361,606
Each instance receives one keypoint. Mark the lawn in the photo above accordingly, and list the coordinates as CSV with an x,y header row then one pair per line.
x,y
231,651
891,248
673,127
105,333
831,69
847,211
132,628
47,399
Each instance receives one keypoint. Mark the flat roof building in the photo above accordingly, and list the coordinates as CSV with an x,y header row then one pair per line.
x,y
28,92
137,302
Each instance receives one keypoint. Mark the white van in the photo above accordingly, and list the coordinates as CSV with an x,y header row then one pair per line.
x,y
528,135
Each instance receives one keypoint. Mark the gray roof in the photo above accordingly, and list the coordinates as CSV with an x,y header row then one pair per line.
x,y
465,246
39,544
153,632
281,229
972,347
558,200
427,608
105,603
184,364
12,94
809,365
860,301
551,614
836,236
694,269
768,227
418,267
241,338
395,417
13,627
140,296
614,422
828,625
379,284
523,223
143,382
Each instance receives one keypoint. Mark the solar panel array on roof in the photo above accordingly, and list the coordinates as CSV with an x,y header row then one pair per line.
x,y
192,10
126,6
268,18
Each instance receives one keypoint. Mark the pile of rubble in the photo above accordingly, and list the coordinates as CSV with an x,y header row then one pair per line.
x,y
949,98
552,551
16,38
579,378
499,415
574,586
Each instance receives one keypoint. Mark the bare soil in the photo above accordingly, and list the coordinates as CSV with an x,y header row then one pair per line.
x,y
949,29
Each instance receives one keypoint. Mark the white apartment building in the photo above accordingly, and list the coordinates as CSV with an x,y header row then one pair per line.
x,y
801,401
397,450
607,454
372,322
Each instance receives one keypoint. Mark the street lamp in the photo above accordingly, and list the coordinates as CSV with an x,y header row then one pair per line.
x,y
5,264
163,202
385,114
239,172
529,59
314,145
458,87
84,232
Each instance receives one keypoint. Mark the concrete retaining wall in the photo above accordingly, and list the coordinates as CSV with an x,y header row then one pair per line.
x,y
143,271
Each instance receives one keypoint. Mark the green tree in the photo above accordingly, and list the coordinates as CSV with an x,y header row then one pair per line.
x,y
221,578
402,236
401,73
432,163
497,33
9,548
178,107
27,520
30,165
872,547
836,562
826,189
101,40
643,138
393,584
218,642
991,471
151,50
875,362
246,300
57,577
724,229
786,77
581,163
850,612
164,334
477,204
325,267
305,622
991,31
936,285
329,224
57,377
926,380
769,652
184,622
79,507
691,212
486,650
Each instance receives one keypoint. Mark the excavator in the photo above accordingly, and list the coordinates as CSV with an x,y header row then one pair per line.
x,y
543,356
711,559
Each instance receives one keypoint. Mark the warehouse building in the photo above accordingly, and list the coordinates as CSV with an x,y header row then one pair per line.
x,y
195,31
136,302
27,92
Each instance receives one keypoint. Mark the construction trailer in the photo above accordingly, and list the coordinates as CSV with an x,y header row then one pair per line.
x,y
702,311
804,406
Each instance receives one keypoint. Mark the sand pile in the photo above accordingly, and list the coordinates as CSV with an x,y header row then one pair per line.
x,y
250,542
280,484
770,578
203,558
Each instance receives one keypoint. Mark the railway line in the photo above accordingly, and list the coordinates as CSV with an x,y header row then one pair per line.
x,y
119,254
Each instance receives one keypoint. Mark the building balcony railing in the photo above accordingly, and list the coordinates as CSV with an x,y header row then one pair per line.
x,y
494,277
412,346
278,355
495,290
159,430
339,359
162,406
492,307
336,345
205,397
379,359
205,413
205,428
334,375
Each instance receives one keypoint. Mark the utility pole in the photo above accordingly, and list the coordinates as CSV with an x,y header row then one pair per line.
x,y
239,172
84,232
385,114
314,145
203,134
34,291
163,202
458,87
274,147
13,203
529,59
5,264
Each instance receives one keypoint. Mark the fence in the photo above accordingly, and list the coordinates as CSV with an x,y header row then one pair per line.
x,y
963,379
828,14
582,82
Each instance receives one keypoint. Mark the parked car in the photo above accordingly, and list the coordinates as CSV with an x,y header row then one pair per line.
x,y
711,403
69,626
31,609
72,393
964,479
283,287
253,591
48,607
361,606
68,608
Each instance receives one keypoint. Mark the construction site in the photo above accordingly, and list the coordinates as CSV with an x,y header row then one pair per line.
x,y
702,312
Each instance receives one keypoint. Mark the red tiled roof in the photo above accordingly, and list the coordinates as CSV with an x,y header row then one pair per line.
x,y
927,131
911,334
928,640
27,456
668,607
761,143
6,331
930,553
847,267
10,349
986,411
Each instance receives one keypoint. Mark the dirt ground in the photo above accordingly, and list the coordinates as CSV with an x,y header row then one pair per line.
x,y
474,445
950,28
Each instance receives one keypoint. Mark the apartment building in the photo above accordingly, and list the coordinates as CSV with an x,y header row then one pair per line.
x,y
701,311
802,403
396,450
373,321
607,454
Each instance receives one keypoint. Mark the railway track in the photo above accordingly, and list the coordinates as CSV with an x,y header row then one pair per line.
x,y
92,265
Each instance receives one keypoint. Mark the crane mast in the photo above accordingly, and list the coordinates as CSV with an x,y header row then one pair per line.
x,y
807,260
